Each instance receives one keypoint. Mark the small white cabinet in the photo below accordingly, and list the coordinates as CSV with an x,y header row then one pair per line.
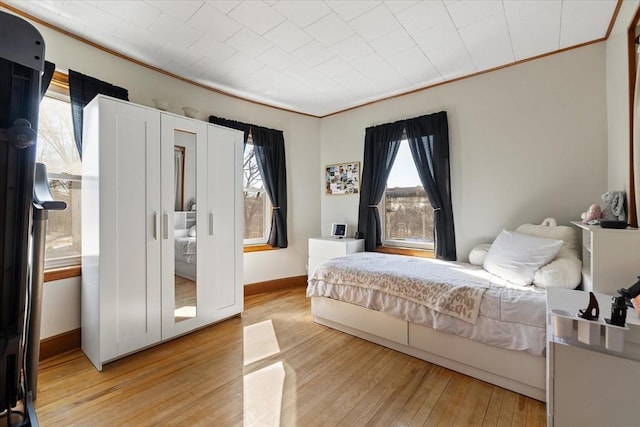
x,y
610,258
144,278
322,249
588,385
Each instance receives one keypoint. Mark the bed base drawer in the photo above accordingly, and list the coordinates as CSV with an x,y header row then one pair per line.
x,y
369,321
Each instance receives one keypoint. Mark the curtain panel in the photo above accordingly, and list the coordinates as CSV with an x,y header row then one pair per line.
x,y
381,145
269,150
45,81
82,89
428,138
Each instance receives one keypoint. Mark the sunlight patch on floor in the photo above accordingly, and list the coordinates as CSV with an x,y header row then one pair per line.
x,y
259,342
263,392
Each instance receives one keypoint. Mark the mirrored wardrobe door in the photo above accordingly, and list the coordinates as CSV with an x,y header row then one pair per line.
x,y
185,229
179,137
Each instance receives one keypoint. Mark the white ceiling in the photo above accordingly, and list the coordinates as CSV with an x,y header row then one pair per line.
x,y
318,57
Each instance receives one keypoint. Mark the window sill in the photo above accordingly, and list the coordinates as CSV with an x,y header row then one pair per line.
x,y
259,248
62,273
422,253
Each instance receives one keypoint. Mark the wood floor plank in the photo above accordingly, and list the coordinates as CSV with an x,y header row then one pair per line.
x,y
330,378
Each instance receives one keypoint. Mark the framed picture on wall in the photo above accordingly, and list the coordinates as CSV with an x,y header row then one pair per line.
x,y
343,178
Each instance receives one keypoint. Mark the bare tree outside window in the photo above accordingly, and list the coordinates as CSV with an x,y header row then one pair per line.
x,y
255,199
408,215
56,149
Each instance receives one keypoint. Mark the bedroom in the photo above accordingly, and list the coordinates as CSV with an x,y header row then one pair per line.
x,y
547,111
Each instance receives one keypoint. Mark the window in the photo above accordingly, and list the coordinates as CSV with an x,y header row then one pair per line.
x,y
57,150
257,207
407,213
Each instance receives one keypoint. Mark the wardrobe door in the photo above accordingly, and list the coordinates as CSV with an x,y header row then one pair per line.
x,y
183,223
121,247
223,294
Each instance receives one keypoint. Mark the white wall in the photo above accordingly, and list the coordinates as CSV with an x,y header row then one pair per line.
x,y
526,142
60,307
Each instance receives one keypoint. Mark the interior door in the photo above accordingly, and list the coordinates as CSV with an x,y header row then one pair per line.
x,y
182,223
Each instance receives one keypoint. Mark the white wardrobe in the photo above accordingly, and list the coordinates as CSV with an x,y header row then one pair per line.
x,y
142,168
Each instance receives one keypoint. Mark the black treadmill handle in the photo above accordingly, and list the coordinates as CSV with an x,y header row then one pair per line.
x,y
42,197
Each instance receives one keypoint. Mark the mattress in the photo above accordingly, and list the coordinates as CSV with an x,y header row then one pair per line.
x,y
508,316
185,249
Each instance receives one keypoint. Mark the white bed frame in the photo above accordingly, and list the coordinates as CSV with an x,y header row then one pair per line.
x,y
186,270
518,371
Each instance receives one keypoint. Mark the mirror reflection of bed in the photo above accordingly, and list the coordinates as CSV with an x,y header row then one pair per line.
x,y
185,265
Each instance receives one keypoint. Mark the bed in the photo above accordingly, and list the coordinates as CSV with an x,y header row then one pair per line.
x,y
185,254
457,315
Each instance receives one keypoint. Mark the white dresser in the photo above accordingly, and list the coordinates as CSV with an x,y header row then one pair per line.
x,y
322,249
610,258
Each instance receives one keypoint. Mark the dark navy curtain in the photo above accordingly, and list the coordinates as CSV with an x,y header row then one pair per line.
x,y
428,138
381,145
268,145
82,89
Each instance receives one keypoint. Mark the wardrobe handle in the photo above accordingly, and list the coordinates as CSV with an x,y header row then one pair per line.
x,y
210,223
165,226
156,225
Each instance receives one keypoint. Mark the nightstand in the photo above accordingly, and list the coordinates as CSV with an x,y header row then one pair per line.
x,y
609,258
322,249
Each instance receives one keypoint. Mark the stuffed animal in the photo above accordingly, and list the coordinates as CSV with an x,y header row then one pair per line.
x,y
592,214
613,209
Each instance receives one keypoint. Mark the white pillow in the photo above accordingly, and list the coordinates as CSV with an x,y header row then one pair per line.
x,y
477,254
516,257
192,231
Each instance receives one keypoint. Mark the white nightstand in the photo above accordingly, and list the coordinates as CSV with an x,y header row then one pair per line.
x,y
609,258
322,249
588,385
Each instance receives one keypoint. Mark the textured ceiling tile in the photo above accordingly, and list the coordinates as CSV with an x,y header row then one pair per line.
x,y
91,16
329,30
415,67
249,43
392,43
375,23
349,9
209,46
302,13
423,15
288,37
580,18
276,58
352,48
534,26
488,42
257,15
135,12
169,28
181,10
224,6
397,6
213,22
468,12
313,53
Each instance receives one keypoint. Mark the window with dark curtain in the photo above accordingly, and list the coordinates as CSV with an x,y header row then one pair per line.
x,y
82,89
271,159
428,138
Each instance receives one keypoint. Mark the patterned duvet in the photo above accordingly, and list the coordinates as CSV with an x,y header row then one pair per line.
x,y
453,297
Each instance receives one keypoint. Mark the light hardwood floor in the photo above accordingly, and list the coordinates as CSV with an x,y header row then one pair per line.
x,y
319,376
